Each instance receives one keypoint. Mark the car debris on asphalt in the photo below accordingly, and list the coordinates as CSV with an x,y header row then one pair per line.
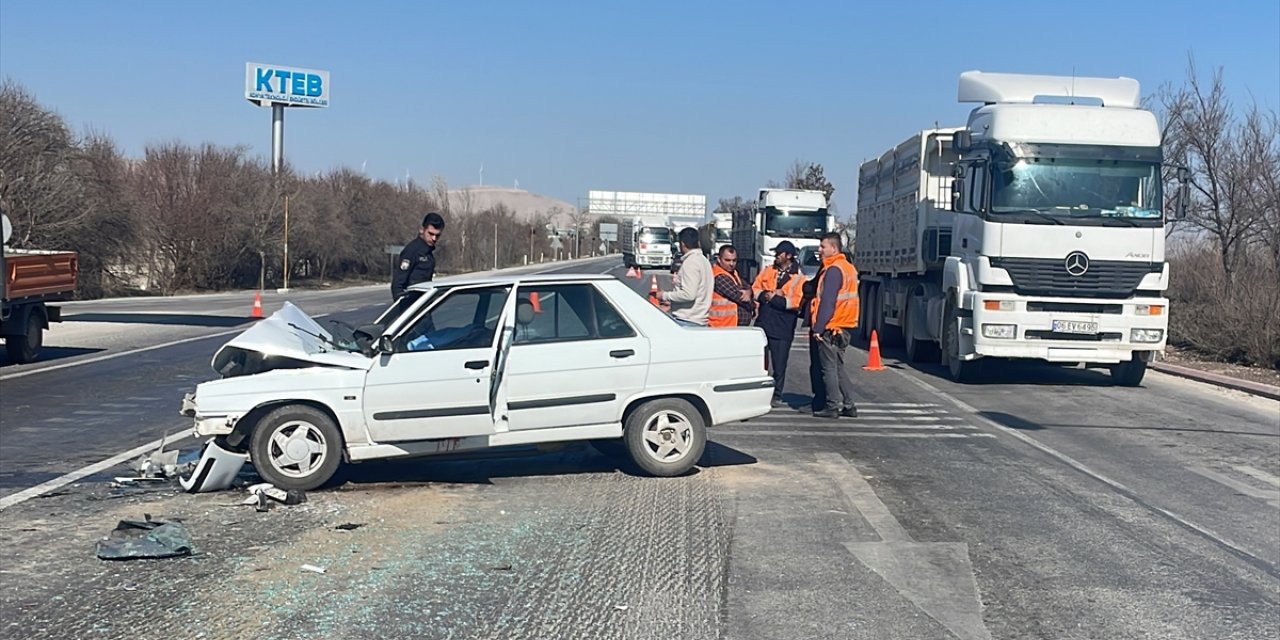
x,y
146,539
261,495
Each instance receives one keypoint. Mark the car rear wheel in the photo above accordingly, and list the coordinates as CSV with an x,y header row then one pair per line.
x,y
665,437
296,447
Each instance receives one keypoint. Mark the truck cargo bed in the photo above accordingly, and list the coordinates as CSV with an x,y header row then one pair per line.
x,y
49,275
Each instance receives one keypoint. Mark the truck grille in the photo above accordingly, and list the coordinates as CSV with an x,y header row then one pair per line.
x,y
1049,277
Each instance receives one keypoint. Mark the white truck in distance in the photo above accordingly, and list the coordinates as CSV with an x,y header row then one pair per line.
x,y
797,215
646,241
1036,231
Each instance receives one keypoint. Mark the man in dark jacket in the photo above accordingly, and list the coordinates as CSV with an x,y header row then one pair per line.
x,y
418,259
780,286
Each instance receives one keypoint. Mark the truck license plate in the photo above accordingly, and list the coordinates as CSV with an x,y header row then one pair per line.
x,y
1071,326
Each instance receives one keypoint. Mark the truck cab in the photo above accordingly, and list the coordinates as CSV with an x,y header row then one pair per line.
x,y
1057,251
797,215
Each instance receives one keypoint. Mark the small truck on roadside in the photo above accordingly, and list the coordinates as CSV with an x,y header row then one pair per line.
x,y
32,279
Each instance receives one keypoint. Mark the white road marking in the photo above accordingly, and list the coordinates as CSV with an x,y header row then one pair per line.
x,y
864,499
1259,474
1269,496
1078,466
935,576
846,424
853,434
66,479
112,356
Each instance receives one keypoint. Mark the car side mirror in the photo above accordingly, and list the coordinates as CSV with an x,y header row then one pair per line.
x,y
385,346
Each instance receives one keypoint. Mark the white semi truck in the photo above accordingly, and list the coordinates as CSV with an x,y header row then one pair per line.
x,y
1036,231
646,241
797,215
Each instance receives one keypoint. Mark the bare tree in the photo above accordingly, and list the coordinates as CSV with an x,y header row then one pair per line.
x,y
1204,136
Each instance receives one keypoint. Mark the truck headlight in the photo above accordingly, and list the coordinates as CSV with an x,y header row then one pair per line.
x,y
1005,331
1146,335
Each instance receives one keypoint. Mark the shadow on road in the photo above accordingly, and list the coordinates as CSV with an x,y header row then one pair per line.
x,y
1000,371
1015,422
483,468
50,353
178,319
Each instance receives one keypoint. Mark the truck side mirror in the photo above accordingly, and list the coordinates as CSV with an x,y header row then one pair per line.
x,y
1182,201
961,142
957,191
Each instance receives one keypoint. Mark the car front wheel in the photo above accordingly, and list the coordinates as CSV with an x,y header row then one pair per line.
x,y
665,437
296,447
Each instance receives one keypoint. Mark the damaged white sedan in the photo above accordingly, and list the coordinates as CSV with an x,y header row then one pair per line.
x,y
473,364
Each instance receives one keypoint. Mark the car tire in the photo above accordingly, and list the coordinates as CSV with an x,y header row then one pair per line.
x,y
25,348
665,437
296,447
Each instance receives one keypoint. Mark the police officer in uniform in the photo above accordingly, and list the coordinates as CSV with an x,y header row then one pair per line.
x,y
418,259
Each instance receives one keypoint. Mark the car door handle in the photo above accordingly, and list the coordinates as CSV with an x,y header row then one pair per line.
x,y
622,353
477,364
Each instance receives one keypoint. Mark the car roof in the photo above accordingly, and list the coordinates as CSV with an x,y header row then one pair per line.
x,y
529,278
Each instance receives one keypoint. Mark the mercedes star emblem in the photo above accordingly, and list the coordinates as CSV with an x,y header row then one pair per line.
x,y
1077,263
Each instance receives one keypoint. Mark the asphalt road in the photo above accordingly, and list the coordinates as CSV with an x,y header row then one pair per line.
x,y
1040,503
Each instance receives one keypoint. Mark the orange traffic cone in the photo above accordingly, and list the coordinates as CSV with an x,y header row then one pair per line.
x,y
533,299
873,362
653,292
257,306
635,273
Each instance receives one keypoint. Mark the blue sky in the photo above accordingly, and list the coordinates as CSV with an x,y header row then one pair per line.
x,y
714,98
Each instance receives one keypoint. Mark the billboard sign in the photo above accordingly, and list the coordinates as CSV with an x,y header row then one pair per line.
x,y
267,84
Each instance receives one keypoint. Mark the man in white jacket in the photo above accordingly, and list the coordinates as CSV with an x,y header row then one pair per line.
x,y
691,299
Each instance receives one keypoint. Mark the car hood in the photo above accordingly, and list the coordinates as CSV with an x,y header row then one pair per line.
x,y
288,339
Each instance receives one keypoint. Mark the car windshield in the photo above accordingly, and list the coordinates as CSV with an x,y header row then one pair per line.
x,y
401,305
795,224
809,257
1054,190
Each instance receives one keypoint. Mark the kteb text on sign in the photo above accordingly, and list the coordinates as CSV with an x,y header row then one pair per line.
x,y
266,84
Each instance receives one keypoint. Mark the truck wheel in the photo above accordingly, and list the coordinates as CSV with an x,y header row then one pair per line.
x,y
1129,374
296,447
961,371
25,348
890,335
864,322
665,437
917,350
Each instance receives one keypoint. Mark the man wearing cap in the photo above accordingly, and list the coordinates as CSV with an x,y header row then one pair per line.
x,y
418,258
779,285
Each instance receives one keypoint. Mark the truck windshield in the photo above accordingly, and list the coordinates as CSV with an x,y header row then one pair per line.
x,y
1075,191
656,235
795,224
722,235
